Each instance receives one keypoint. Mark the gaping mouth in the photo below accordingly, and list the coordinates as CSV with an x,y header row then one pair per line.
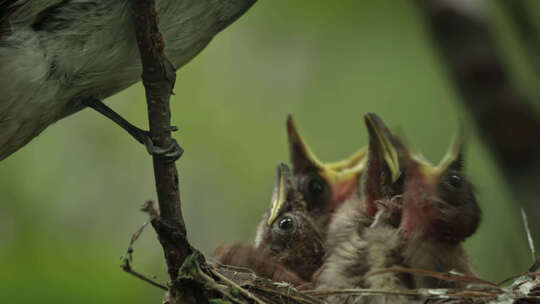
x,y
282,182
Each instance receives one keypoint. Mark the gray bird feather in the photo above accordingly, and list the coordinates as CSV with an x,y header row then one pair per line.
x,y
56,53
361,251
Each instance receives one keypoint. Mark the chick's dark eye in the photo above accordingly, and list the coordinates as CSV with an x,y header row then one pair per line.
x,y
316,186
286,223
454,180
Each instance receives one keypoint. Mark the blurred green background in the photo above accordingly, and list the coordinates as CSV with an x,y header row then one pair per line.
x,y
69,200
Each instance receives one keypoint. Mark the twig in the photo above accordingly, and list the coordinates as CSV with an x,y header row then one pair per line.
x,y
127,268
434,293
240,269
299,297
527,273
529,236
438,275
370,292
129,252
243,291
215,286
148,207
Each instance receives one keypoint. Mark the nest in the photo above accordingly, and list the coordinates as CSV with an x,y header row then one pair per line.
x,y
521,288
224,284
227,285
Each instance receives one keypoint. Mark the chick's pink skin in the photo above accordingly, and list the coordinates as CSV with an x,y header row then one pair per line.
x,y
372,185
418,211
434,224
370,208
342,192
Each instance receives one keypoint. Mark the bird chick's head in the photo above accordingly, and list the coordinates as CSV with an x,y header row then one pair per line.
x,y
287,231
438,200
324,186
383,179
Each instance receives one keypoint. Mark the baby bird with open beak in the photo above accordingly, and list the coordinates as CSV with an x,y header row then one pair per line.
x,y
325,186
439,212
288,232
363,237
288,239
423,228
293,231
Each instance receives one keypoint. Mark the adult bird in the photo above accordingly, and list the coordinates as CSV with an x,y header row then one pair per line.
x,y
60,56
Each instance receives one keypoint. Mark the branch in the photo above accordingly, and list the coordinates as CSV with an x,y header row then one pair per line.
x,y
159,77
192,280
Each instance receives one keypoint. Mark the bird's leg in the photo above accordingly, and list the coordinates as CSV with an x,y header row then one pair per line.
x,y
171,153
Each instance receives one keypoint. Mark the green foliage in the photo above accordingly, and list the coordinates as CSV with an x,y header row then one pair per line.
x,y
189,268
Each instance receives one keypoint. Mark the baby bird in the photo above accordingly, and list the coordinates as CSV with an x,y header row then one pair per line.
x,y
325,186
292,232
435,214
287,231
245,257
363,237
287,237
382,180
439,212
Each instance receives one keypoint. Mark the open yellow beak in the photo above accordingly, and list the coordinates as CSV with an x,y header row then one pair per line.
x,y
452,157
382,144
279,194
341,176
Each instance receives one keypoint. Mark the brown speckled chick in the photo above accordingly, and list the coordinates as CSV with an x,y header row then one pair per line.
x,y
288,245
288,232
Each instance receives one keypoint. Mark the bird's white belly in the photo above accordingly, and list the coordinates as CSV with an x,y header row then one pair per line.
x,y
88,49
